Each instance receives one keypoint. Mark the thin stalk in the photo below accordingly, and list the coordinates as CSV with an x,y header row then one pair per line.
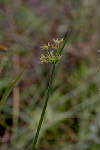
x,y
49,89
66,40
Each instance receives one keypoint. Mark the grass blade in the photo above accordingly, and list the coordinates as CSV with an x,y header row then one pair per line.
x,y
10,87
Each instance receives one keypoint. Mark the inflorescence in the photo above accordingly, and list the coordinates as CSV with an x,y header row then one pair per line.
x,y
51,52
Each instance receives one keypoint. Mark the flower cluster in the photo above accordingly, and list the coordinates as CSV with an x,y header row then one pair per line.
x,y
51,52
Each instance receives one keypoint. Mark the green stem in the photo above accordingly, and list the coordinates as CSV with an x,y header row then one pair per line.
x,y
49,89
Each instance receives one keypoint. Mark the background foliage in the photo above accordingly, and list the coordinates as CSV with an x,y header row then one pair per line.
x,y
72,115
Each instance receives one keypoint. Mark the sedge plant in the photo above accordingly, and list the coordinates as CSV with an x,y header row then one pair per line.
x,y
52,53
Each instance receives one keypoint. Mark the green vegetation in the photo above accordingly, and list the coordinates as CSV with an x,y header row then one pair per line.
x,y
72,116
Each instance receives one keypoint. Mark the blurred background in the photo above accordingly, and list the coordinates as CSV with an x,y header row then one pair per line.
x,y
71,119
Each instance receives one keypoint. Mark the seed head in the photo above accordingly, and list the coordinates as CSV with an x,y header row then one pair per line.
x,y
45,47
52,52
57,43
